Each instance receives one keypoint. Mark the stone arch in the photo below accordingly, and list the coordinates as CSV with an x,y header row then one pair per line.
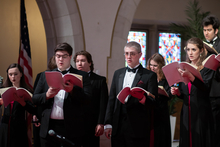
x,y
62,22
122,26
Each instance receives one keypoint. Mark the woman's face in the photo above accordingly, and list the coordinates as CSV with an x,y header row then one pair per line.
x,y
15,76
193,52
154,66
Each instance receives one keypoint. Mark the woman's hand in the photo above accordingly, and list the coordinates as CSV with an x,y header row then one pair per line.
x,y
186,73
175,91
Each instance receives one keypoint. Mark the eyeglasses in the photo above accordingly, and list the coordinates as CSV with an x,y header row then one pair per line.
x,y
132,54
63,56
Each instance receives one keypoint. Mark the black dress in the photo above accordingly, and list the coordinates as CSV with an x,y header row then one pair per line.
x,y
199,108
14,126
162,131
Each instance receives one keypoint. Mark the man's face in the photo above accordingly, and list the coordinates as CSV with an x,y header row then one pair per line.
x,y
132,56
209,32
62,60
82,63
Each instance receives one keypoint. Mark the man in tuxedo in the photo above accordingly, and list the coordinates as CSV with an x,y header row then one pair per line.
x,y
62,111
97,108
210,30
128,124
210,26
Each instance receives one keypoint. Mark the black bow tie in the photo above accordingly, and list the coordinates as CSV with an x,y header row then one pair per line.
x,y
63,72
132,70
210,42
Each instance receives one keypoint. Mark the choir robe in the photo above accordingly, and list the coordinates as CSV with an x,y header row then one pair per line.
x,y
162,131
202,124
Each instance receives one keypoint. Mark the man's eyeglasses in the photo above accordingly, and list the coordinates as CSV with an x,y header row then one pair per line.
x,y
63,56
130,53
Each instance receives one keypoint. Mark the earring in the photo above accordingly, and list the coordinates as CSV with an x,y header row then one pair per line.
x,y
200,55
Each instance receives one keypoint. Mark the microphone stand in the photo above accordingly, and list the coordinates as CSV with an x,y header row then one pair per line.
x,y
63,140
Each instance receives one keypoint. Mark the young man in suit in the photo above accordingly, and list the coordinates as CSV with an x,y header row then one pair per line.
x,y
97,108
128,124
210,30
210,26
62,111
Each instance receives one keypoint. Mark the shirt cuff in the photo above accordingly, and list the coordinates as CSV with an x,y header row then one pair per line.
x,y
108,126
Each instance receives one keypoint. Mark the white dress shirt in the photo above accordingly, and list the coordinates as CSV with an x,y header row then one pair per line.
x,y
57,110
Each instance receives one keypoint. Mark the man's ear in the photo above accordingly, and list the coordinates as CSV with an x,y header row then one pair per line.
x,y
216,32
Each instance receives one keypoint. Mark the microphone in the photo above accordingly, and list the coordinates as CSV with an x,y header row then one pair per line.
x,y
60,138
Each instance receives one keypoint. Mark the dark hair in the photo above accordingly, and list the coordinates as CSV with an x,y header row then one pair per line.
x,y
160,61
88,57
199,43
64,47
23,84
52,63
211,20
135,45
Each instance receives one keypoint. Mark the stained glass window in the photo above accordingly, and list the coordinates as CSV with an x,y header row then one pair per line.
x,y
139,37
170,47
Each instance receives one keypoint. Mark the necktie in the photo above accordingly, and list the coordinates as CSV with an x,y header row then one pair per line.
x,y
132,70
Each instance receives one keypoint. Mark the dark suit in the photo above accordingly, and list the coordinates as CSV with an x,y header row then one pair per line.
x,y
36,130
96,109
215,98
72,107
131,119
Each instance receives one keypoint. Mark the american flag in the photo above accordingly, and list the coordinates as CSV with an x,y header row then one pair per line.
x,y
24,60
25,52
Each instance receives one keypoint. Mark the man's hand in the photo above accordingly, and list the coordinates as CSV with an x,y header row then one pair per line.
x,y
142,101
68,86
36,119
1,101
51,92
99,130
108,133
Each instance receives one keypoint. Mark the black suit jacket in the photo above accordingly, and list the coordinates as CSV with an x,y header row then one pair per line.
x,y
137,113
100,96
97,108
72,107
215,92
216,46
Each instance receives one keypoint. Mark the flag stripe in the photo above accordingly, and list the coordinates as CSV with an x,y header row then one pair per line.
x,y
25,61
